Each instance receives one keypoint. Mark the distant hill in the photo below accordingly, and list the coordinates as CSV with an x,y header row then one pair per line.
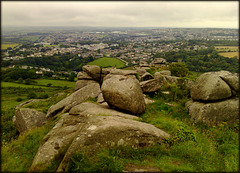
x,y
108,62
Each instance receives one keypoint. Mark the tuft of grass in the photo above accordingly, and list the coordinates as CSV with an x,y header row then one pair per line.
x,y
102,161
92,99
45,104
18,155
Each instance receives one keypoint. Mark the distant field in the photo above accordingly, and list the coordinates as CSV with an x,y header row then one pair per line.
x,y
51,45
230,54
11,84
61,83
7,45
227,48
44,82
106,62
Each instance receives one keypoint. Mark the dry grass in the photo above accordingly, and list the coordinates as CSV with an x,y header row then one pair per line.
x,y
7,45
230,54
227,48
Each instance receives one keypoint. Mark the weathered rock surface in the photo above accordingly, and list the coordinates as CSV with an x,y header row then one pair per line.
x,y
141,71
151,85
146,76
27,103
95,72
79,96
26,119
123,72
83,76
82,83
124,93
113,131
209,86
232,80
58,138
159,61
172,79
212,113
166,78
100,98
165,72
87,108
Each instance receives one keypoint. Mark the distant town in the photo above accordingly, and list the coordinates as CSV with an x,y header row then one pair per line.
x,y
128,45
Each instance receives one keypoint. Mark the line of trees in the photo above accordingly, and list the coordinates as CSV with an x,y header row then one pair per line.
x,y
204,60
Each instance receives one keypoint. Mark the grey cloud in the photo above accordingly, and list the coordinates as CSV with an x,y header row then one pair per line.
x,y
158,13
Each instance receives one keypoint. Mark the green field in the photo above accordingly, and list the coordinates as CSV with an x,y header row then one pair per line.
x,y
60,83
227,48
11,84
230,54
51,45
108,62
7,45
31,38
41,83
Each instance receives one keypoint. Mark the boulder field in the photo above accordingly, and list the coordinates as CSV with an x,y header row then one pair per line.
x,y
112,120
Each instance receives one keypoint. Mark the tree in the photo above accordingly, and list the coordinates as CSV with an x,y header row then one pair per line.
x,y
179,69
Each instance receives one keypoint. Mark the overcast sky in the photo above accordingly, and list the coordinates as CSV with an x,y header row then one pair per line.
x,y
200,14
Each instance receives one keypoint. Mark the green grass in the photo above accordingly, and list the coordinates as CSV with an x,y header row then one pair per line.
x,y
60,83
7,45
31,38
18,155
12,84
192,147
41,83
9,96
108,62
51,45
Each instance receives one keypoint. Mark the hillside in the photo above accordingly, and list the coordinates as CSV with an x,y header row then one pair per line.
x,y
108,62
192,147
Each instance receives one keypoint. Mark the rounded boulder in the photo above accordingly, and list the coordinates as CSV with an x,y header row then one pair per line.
x,y
124,93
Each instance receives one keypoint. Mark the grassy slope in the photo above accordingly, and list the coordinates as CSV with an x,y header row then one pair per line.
x,y
41,83
195,148
61,83
106,62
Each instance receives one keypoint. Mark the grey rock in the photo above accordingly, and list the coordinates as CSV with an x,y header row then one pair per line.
x,y
213,113
151,85
209,86
82,83
95,72
83,76
146,76
100,98
124,92
27,103
233,81
57,139
159,61
141,71
123,72
106,131
26,119
165,72
79,96
171,79
100,110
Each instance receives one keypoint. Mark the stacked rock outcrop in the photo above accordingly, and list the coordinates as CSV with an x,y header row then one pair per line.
x,y
214,98
84,124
